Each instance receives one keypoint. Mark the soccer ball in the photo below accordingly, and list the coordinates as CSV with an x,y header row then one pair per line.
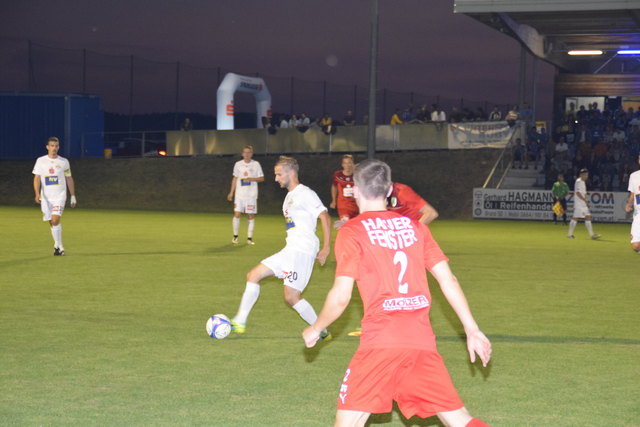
x,y
218,326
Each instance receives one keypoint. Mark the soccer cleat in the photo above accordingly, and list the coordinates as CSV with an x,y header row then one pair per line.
x,y
234,240
237,327
325,336
570,236
355,333
250,242
58,252
595,236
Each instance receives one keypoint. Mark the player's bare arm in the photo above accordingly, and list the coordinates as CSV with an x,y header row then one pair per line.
x,y
337,301
334,194
234,180
36,187
72,190
629,206
325,221
477,342
429,214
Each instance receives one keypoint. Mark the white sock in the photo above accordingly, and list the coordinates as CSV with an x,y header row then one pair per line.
x,y
236,225
589,227
306,311
250,225
56,232
572,226
249,298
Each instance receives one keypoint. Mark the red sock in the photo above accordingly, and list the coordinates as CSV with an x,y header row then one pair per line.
x,y
476,423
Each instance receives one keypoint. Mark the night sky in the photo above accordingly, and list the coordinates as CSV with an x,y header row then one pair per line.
x,y
424,47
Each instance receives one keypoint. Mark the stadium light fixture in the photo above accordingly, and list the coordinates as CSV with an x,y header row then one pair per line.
x,y
584,52
629,52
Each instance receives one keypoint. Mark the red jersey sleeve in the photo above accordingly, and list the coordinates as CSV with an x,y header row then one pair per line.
x,y
410,198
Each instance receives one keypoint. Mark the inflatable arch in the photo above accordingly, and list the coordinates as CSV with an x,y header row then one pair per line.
x,y
234,82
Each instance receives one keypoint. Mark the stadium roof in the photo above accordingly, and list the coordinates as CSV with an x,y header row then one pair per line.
x,y
551,28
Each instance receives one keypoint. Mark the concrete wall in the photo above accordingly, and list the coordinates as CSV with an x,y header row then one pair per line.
x,y
445,178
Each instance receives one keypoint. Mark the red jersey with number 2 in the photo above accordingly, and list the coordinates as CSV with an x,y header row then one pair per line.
x,y
387,255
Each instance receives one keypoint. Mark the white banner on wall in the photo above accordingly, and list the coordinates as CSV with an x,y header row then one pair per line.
x,y
479,135
535,205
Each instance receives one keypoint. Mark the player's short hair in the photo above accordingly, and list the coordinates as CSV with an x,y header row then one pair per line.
x,y
347,156
250,147
54,139
288,162
373,178
584,170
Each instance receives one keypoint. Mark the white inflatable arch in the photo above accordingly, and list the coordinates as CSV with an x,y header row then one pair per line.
x,y
234,82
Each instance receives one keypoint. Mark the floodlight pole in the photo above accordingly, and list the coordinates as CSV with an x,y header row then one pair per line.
x,y
373,81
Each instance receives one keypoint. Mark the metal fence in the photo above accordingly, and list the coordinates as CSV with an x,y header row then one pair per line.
x,y
133,85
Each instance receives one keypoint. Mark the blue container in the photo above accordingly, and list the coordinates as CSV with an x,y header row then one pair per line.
x,y
27,120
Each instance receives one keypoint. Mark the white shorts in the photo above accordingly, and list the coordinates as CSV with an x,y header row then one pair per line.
x,y
580,210
292,266
249,206
51,207
635,229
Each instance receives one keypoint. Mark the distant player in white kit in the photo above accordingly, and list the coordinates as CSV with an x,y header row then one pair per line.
x,y
633,204
247,173
294,264
581,206
51,176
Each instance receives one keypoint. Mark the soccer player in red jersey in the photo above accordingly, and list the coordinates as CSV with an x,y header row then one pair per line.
x,y
342,192
407,202
387,254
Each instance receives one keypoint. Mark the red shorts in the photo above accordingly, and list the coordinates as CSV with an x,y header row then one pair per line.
x,y
347,209
416,379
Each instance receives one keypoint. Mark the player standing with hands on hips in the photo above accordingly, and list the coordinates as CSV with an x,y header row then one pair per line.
x,y
247,173
387,255
294,264
633,204
51,176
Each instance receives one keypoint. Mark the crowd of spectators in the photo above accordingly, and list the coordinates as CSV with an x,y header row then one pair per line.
x,y
606,142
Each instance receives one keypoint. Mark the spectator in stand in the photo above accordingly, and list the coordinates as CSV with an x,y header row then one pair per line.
x,y
480,115
303,122
570,114
423,115
495,115
284,123
519,154
349,119
407,114
187,125
456,115
512,116
438,116
535,147
326,124
365,119
395,118
293,121
560,157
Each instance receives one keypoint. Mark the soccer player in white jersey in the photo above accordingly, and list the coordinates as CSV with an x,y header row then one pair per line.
x,y
294,264
51,176
581,206
247,173
633,204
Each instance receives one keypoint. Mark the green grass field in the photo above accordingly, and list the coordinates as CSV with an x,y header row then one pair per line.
x,y
113,333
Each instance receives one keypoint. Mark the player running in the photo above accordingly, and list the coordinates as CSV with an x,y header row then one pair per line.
x,y
397,358
342,192
633,204
249,173
294,263
581,206
51,176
